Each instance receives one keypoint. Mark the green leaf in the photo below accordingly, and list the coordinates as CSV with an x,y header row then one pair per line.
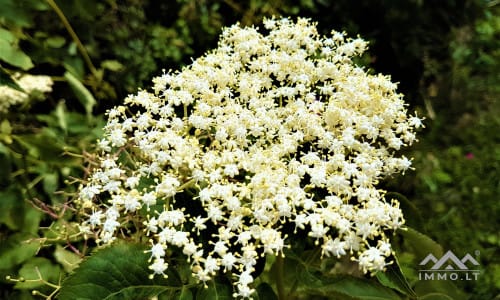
x,y
185,294
36,270
266,292
6,79
112,65
117,272
358,288
11,209
50,183
17,249
69,260
7,36
5,127
5,175
438,290
81,92
14,12
394,278
16,213
343,286
421,244
442,177
61,116
55,41
11,54
215,291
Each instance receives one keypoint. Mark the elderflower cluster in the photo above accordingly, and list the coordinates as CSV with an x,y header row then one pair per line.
x,y
275,129
34,86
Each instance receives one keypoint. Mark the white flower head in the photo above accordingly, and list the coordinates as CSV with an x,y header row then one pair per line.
x,y
265,130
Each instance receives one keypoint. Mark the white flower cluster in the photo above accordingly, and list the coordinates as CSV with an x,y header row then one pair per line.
x,y
266,131
34,87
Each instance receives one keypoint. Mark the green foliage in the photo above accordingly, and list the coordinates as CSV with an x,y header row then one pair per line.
x,y
117,272
444,54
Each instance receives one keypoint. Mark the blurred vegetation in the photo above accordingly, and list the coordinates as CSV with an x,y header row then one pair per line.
x,y
445,54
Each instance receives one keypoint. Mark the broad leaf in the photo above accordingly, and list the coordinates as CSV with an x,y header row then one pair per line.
x,y
11,54
438,290
36,270
68,259
394,278
348,287
421,244
18,248
117,272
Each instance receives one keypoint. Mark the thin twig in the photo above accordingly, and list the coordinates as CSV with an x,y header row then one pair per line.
x,y
74,36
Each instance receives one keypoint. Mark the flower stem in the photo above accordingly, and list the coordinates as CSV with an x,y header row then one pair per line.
x,y
74,36
280,283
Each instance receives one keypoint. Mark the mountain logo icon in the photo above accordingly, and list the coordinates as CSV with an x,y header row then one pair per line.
x,y
449,261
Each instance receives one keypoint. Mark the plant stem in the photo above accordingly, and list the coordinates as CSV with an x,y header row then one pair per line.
x,y
74,36
280,284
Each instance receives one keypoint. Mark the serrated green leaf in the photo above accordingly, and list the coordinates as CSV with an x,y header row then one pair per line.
x,y
215,291
81,92
117,272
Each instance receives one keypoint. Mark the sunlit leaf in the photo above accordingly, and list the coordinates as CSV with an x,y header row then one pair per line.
x,y
68,259
61,116
35,270
11,54
112,65
55,41
81,92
